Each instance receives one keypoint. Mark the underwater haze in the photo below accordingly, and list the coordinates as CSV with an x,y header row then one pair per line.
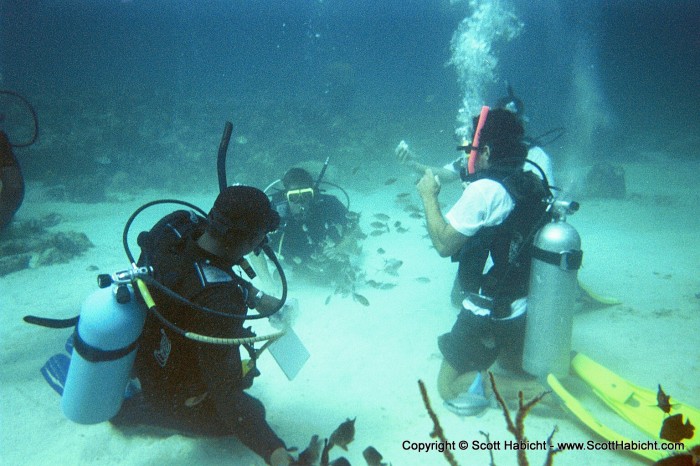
x,y
132,97
152,82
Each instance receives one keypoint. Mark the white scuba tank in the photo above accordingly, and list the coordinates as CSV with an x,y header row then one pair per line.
x,y
556,258
105,343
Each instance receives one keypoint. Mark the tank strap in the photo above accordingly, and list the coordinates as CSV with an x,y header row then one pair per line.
x,y
566,260
94,354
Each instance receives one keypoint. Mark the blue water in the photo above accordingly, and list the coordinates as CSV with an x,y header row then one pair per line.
x,y
144,81
134,94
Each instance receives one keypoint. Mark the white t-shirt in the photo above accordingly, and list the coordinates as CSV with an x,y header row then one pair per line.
x,y
536,154
483,203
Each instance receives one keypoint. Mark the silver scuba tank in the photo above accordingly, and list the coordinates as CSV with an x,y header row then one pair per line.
x,y
556,258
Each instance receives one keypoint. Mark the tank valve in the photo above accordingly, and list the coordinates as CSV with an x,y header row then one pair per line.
x,y
560,209
122,277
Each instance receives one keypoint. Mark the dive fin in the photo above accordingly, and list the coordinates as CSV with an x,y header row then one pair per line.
x,y
594,424
637,405
55,371
595,300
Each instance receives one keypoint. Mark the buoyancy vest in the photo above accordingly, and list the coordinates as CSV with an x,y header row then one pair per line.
x,y
167,362
509,244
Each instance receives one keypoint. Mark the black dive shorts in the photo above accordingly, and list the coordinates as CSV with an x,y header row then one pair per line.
x,y
476,342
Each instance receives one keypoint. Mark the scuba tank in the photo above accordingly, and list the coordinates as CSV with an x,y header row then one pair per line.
x,y
556,258
105,342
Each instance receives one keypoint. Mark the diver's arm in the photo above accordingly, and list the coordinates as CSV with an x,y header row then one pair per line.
x,y
446,240
267,303
261,301
221,369
409,159
260,266
444,174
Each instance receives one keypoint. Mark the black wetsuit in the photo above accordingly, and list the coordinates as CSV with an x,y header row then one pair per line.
x,y
12,191
300,237
197,388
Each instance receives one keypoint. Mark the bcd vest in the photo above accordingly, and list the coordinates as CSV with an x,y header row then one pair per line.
x,y
509,244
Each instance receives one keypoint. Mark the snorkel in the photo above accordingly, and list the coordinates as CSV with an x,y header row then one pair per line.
x,y
474,153
264,246
320,175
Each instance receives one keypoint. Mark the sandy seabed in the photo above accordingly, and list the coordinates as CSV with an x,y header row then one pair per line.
x,y
366,360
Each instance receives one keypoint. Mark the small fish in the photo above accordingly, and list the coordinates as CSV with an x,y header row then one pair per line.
x,y
415,215
402,195
92,268
360,299
328,299
377,232
379,251
391,266
411,208
312,453
382,217
423,280
390,181
344,434
352,215
401,230
663,400
355,170
387,286
373,457
379,225
397,224
674,430
373,283
296,260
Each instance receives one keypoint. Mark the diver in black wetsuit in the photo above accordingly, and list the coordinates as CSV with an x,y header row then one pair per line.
x,y
309,218
11,182
195,387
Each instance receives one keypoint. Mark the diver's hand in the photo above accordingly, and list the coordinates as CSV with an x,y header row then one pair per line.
x,y
280,457
404,155
286,316
429,185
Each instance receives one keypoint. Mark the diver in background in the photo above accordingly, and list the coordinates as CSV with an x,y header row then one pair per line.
x,y
495,212
195,387
312,223
11,182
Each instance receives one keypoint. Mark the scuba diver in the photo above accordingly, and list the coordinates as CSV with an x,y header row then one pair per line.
x,y
11,178
538,162
158,344
496,215
196,387
11,182
317,231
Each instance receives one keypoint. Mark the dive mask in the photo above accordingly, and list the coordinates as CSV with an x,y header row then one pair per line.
x,y
300,196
